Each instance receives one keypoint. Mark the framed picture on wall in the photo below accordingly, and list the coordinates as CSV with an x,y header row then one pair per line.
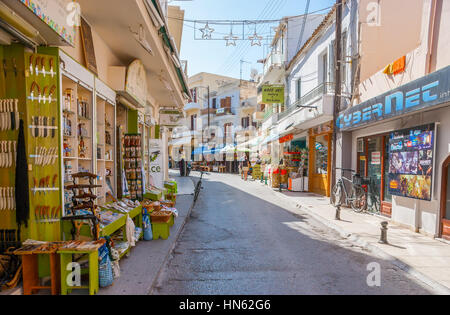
x,y
88,46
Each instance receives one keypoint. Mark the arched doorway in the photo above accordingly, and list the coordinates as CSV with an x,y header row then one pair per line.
x,y
445,200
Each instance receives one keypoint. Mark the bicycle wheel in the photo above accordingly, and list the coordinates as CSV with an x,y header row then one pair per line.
x,y
337,195
358,199
197,191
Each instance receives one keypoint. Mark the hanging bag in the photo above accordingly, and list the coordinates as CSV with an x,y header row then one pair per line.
x,y
148,233
105,272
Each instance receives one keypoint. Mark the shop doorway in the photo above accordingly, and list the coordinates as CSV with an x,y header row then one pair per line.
x,y
445,200
373,164
320,160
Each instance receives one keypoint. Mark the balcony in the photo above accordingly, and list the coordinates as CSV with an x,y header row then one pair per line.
x,y
258,116
313,109
311,97
224,112
273,70
192,108
212,112
319,99
274,60
248,107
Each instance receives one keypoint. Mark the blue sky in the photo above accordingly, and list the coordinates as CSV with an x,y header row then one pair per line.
x,y
213,55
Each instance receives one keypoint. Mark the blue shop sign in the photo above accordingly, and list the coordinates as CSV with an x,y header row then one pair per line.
x,y
431,90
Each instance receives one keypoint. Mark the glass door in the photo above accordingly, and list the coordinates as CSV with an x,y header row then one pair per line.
x,y
375,171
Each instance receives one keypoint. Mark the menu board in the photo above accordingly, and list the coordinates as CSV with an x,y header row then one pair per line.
x,y
411,153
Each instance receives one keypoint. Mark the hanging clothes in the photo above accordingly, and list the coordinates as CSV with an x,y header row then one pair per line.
x,y
22,186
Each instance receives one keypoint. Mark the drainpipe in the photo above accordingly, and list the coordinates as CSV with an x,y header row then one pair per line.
x,y
431,33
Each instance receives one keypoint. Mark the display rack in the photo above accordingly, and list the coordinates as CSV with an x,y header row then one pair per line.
x,y
133,165
78,128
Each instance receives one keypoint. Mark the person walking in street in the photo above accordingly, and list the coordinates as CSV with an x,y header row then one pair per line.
x,y
245,167
182,163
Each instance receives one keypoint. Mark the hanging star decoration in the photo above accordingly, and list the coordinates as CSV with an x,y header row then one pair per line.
x,y
256,39
207,31
231,39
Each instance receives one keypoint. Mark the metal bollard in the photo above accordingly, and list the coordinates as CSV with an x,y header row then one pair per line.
x,y
384,229
338,213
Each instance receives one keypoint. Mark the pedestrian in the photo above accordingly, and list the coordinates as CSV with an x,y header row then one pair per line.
x,y
182,163
245,167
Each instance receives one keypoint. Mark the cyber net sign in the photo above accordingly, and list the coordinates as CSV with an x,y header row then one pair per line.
x,y
426,92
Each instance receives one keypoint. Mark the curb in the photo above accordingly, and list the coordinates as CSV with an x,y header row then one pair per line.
x,y
172,248
436,286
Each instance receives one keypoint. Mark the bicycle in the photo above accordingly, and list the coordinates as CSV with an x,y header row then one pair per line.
x,y
356,199
372,195
198,186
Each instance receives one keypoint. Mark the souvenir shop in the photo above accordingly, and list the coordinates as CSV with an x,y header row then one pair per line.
x,y
75,167
294,151
400,146
320,139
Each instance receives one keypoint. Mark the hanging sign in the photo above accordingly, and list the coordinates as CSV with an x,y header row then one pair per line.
x,y
286,138
170,118
136,82
273,94
411,153
60,15
156,163
431,90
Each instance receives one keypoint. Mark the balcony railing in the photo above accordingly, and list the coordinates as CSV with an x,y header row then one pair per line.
x,y
274,59
212,111
323,89
224,111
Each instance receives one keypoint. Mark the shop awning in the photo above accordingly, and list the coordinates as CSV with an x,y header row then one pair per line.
x,y
230,148
167,86
181,141
43,23
199,150
271,138
215,150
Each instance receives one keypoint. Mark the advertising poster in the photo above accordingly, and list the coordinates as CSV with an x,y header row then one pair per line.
x,y
156,164
411,162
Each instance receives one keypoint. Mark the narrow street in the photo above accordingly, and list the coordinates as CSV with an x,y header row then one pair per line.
x,y
236,242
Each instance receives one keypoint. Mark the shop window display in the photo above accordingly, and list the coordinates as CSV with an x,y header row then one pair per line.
x,y
411,154
321,155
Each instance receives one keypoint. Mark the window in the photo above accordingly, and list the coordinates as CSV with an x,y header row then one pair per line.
x,y
193,122
323,68
194,95
332,61
344,59
245,122
214,103
299,89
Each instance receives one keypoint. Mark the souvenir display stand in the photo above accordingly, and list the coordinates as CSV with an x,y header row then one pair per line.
x,y
133,165
31,82
106,140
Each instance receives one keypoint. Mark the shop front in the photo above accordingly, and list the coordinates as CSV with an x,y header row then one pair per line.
x,y
320,139
445,200
400,145
294,150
